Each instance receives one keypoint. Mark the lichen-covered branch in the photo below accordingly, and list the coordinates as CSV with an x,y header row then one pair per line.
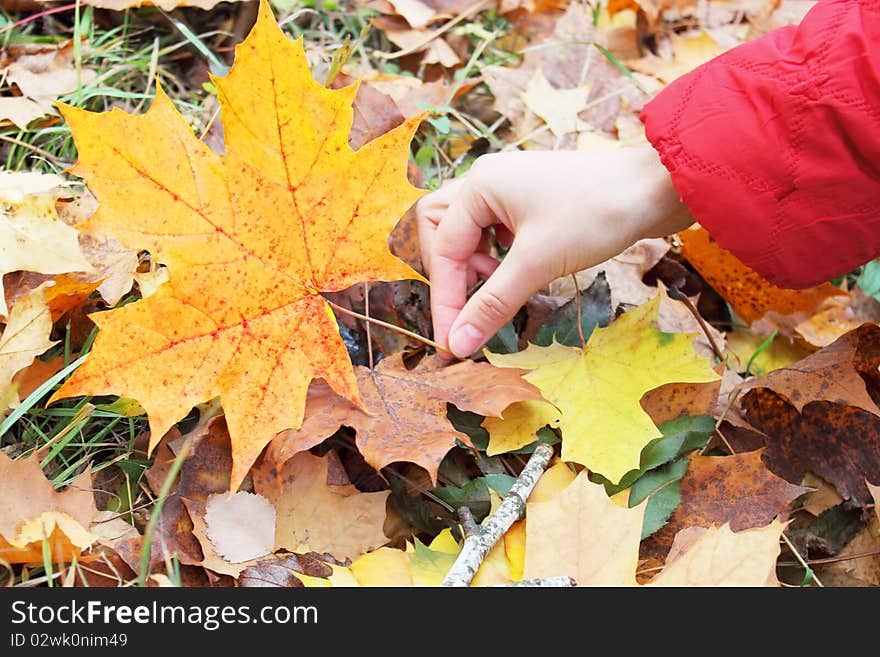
x,y
560,581
478,543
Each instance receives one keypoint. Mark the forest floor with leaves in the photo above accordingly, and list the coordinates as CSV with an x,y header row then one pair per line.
x,y
665,418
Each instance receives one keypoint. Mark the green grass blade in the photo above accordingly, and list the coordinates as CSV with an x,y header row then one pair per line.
x,y
37,394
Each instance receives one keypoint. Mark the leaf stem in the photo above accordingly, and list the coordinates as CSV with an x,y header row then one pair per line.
x,y
678,295
390,327
577,296
367,327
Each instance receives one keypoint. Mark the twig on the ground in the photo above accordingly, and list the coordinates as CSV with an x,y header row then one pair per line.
x,y
560,581
468,525
512,508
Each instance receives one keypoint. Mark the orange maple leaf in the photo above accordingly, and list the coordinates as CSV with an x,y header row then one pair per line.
x,y
250,238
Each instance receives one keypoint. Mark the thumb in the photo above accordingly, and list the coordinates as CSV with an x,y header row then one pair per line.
x,y
495,303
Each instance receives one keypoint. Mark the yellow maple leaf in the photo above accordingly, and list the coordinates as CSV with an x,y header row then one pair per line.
x,y
583,534
598,387
519,425
718,556
250,239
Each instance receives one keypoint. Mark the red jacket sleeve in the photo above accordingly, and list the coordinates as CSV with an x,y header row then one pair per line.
x,y
774,146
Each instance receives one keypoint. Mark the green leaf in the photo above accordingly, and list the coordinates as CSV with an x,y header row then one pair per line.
x,y
425,155
500,483
441,124
504,341
474,495
663,487
469,423
869,279
595,303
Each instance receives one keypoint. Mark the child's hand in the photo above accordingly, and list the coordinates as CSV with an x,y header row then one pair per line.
x,y
559,211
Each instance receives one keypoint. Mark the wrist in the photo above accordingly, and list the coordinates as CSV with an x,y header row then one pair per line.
x,y
661,211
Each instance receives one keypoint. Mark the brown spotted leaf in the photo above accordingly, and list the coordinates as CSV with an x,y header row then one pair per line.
x,y
737,489
408,420
844,372
837,442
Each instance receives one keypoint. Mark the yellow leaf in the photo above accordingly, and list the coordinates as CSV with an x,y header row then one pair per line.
x,y
382,567
554,480
429,566
515,549
444,542
32,237
598,387
25,337
718,556
519,425
781,352
250,239
66,539
583,534
32,511
688,52
559,108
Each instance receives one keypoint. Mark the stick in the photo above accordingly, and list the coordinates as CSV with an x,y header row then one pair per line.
x,y
562,580
477,545
468,525
390,327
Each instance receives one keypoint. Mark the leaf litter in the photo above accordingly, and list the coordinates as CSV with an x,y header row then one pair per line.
x,y
663,498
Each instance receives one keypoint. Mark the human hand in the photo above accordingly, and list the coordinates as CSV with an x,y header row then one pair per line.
x,y
559,212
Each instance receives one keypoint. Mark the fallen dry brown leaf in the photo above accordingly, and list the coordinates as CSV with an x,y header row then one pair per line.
x,y
407,419
318,509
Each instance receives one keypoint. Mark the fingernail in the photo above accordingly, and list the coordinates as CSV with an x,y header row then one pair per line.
x,y
466,339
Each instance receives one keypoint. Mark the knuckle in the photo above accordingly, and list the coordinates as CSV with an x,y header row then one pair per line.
x,y
492,307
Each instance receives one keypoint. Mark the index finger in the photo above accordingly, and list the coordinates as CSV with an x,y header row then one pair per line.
x,y
457,238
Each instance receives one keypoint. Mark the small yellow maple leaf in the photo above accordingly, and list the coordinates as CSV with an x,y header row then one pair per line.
x,y
583,534
598,387
250,239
